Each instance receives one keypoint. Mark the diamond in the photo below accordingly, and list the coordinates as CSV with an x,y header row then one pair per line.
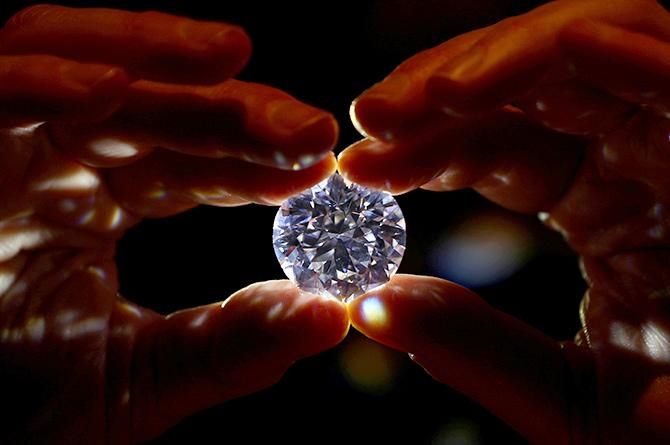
x,y
339,239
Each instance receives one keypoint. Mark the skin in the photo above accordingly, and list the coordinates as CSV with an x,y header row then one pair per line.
x,y
562,112
96,135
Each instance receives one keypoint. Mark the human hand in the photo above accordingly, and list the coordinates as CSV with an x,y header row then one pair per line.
x,y
563,112
128,135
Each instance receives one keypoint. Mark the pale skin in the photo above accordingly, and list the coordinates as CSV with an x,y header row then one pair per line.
x,y
562,111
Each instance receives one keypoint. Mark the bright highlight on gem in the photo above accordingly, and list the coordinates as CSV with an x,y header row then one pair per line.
x,y
339,239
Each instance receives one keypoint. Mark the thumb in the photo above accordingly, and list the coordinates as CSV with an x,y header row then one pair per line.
x,y
514,371
203,356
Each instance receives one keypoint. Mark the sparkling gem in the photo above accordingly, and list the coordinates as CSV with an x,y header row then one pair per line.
x,y
339,239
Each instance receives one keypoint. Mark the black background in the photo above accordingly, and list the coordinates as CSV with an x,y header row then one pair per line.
x,y
326,53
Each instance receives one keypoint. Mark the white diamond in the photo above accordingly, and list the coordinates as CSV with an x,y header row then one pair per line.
x,y
339,239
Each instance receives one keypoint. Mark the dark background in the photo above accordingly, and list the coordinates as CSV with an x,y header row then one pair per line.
x,y
326,53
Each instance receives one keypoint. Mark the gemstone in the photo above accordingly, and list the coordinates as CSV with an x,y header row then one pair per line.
x,y
339,239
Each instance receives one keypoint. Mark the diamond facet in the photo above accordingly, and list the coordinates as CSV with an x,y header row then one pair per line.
x,y
339,239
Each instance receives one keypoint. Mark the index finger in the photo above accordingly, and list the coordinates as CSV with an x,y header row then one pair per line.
x,y
149,45
516,372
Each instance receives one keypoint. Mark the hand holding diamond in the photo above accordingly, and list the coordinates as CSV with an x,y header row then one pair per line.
x,y
120,117
562,112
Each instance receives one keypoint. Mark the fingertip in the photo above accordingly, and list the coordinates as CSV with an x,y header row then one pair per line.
x,y
298,181
302,323
234,45
107,92
314,140
382,111
369,115
300,135
219,50
372,164
330,316
369,313
410,312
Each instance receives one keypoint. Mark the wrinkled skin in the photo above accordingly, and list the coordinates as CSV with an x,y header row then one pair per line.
x,y
560,111
563,112
97,132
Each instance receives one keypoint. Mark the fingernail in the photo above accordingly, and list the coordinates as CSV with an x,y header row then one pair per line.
x,y
210,33
89,76
232,35
394,86
292,116
464,65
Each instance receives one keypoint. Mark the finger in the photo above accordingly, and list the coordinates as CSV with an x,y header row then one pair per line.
x,y
504,156
577,108
250,121
517,53
150,45
397,107
204,356
165,182
511,369
630,65
39,88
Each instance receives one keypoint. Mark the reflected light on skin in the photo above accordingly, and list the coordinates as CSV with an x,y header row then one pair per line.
x,y
66,316
11,335
501,177
19,288
112,148
125,398
25,131
609,153
80,179
67,205
123,330
656,341
33,330
211,194
373,312
98,272
157,194
199,321
656,232
623,335
115,218
28,238
649,338
86,217
354,120
92,325
656,211
368,366
457,432
275,311
280,159
483,250
7,278
130,309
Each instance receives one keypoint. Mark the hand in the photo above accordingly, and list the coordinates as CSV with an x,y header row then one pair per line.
x,y
562,111
101,129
